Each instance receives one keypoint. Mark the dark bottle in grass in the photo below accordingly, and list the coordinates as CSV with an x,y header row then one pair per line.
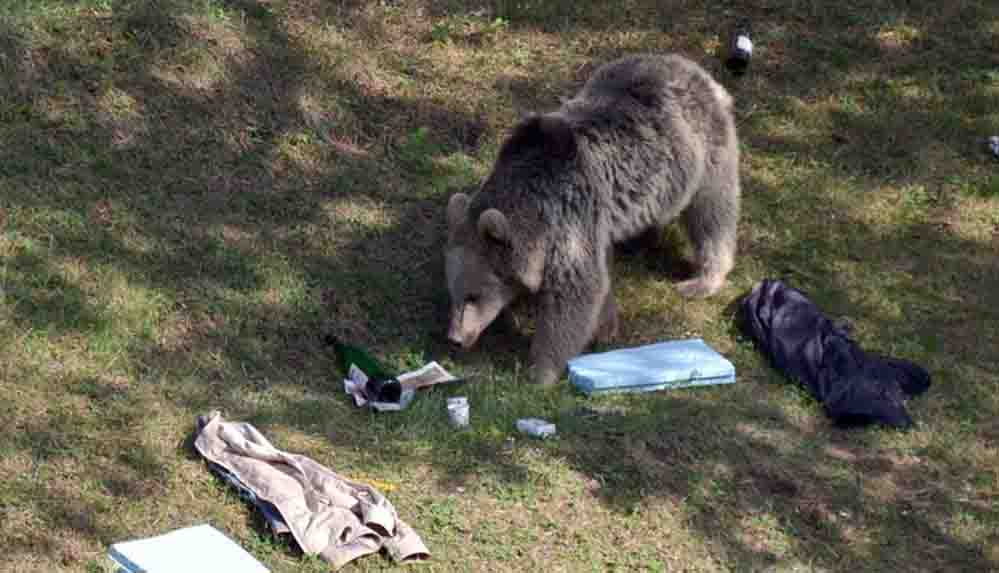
x,y
740,50
382,386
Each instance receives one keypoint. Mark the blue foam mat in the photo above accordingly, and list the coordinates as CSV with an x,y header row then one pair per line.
x,y
660,366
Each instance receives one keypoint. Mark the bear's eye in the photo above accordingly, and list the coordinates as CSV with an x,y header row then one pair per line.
x,y
472,299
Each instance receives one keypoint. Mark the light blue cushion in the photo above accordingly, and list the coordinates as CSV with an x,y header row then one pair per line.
x,y
674,364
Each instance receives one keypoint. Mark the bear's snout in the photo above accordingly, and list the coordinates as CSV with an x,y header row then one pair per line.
x,y
455,341
458,339
462,334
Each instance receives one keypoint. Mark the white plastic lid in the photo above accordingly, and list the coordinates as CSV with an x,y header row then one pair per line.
x,y
744,43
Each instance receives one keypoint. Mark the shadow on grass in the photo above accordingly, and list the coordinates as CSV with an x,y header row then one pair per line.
x,y
763,490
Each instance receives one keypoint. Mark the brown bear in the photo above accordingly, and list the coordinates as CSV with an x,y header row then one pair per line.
x,y
647,139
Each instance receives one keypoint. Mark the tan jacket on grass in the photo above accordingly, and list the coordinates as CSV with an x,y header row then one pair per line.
x,y
329,515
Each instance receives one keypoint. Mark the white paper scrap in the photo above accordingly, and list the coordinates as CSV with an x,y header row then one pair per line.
x,y
198,549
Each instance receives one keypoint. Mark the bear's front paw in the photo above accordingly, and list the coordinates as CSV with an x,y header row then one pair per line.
x,y
544,376
700,287
607,331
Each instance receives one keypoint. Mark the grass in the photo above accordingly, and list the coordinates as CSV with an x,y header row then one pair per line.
x,y
192,192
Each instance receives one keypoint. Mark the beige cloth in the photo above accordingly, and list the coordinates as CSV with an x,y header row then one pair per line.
x,y
329,515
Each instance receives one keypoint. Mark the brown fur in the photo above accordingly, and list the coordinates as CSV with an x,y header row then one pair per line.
x,y
648,139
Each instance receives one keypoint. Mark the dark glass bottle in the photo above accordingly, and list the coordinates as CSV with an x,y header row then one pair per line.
x,y
740,50
381,386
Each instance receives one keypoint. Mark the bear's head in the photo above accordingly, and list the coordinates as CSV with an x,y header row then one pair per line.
x,y
490,258
478,290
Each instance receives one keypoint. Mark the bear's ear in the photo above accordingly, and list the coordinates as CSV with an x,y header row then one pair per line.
x,y
493,225
457,206
551,134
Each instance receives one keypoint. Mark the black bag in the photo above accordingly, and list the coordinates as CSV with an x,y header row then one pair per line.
x,y
855,387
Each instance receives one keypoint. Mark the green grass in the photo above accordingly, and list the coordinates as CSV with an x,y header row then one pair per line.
x,y
193,192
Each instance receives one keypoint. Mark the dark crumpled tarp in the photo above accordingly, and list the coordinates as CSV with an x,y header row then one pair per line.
x,y
855,387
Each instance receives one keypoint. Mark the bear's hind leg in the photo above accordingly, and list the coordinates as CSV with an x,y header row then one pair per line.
x,y
711,220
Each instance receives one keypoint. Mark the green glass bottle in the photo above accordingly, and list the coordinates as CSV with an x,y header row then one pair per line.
x,y
382,386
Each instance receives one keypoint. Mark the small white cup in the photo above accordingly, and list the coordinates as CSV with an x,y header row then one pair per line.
x,y
457,411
